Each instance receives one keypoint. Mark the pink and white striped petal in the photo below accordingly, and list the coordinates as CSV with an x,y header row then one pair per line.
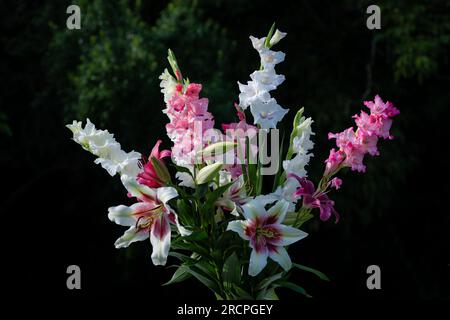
x,y
160,240
130,236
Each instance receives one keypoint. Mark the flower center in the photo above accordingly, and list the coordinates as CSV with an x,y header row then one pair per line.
x,y
146,218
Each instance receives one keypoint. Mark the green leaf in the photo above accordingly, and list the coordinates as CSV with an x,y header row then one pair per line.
x,y
268,294
232,270
196,236
184,210
204,278
321,275
183,258
190,247
241,294
269,280
182,169
179,275
212,197
276,180
295,288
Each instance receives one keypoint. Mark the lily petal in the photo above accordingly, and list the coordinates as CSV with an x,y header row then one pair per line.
x,y
130,236
280,255
238,227
166,193
137,190
290,235
253,209
127,216
160,239
258,260
278,212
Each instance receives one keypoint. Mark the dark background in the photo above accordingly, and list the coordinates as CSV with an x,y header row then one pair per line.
x,y
54,203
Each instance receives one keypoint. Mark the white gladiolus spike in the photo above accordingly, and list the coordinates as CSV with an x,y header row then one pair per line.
x,y
102,144
266,112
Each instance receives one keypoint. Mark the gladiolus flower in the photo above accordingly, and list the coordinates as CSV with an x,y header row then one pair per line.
x,y
313,198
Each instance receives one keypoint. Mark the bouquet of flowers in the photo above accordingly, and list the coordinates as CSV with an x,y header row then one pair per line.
x,y
205,207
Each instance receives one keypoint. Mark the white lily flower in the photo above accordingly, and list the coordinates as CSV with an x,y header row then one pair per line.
x,y
277,36
267,114
150,217
250,93
266,234
103,144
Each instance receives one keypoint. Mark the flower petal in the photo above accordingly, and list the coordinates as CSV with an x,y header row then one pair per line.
x,y
278,212
160,239
280,255
166,193
122,215
130,236
174,219
137,190
258,260
253,209
290,235
238,227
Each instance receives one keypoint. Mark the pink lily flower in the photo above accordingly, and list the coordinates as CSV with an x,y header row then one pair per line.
x,y
266,234
149,217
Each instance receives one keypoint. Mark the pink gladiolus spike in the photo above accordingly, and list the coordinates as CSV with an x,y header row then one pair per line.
x,y
355,145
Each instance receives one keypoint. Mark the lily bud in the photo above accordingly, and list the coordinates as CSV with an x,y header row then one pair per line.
x,y
208,173
161,170
216,149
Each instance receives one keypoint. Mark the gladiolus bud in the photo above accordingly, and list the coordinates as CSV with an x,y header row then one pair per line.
x,y
216,149
278,35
